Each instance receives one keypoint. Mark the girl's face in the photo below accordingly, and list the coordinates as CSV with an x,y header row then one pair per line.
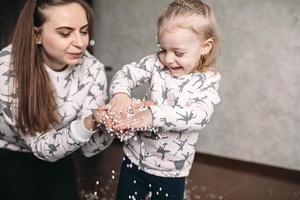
x,y
64,35
180,49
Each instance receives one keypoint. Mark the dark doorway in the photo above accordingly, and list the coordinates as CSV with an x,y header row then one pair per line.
x,y
10,10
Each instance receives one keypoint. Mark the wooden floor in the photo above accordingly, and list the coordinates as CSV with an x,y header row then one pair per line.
x,y
211,178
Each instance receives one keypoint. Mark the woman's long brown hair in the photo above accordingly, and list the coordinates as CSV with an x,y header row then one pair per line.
x,y
36,105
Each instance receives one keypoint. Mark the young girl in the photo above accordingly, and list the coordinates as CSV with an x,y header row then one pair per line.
x,y
183,82
49,87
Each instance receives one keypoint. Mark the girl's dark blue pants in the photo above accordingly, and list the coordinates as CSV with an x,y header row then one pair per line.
x,y
137,184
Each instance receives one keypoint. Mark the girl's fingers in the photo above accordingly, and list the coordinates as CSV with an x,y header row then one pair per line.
x,y
137,124
129,123
104,107
122,124
148,103
122,127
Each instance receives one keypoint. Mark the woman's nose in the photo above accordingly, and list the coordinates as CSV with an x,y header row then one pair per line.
x,y
78,41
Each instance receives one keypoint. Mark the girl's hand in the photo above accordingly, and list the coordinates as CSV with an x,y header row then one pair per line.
x,y
141,119
137,106
118,105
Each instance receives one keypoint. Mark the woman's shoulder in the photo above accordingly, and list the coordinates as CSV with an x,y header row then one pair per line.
x,y
5,63
90,62
6,72
5,55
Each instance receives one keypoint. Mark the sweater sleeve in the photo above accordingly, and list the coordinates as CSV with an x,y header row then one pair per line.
x,y
97,94
192,116
101,139
132,75
56,144
98,142
51,145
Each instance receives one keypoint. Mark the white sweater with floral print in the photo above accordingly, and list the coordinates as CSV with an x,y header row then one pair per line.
x,y
183,107
79,89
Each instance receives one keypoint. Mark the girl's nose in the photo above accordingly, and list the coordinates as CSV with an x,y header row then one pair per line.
x,y
169,58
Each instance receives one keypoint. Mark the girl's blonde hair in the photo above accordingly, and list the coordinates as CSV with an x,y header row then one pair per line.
x,y
205,26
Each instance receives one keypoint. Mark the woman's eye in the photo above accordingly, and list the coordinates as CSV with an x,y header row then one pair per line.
x,y
84,32
65,35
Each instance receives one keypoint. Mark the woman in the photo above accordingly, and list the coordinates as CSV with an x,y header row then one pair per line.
x,y
49,87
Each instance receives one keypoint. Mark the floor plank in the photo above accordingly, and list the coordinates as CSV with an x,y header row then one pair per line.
x,y
211,178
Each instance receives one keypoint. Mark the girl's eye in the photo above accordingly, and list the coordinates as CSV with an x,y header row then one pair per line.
x,y
179,54
161,50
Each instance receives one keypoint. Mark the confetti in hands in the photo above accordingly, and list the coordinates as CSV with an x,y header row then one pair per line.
x,y
125,116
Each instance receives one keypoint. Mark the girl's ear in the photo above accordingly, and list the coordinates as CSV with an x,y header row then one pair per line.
x,y
37,33
207,46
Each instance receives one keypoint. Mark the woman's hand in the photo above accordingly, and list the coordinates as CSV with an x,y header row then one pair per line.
x,y
101,117
98,118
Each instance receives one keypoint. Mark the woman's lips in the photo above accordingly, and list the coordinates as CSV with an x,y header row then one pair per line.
x,y
75,55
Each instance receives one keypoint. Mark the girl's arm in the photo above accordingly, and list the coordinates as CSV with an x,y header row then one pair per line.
x,y
130,76
193,116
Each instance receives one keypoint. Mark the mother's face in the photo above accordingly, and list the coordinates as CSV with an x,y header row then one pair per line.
x,y
64,35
